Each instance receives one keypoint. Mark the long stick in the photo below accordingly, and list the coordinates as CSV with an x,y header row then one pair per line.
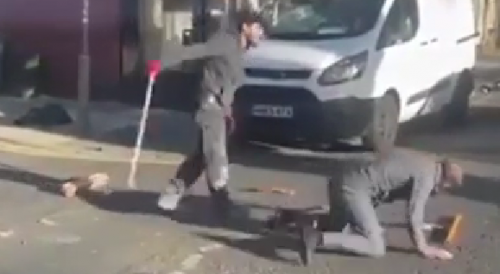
x,y
140,135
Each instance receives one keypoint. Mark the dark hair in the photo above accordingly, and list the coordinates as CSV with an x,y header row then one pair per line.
x,y
246,17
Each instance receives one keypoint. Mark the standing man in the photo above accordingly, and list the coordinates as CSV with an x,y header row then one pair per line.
x,y
222,74
353,198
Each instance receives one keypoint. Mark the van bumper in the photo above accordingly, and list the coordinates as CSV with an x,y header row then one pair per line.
x,y
313,120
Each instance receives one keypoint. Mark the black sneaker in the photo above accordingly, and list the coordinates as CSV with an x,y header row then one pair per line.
x,y
221,203
309,239
225,208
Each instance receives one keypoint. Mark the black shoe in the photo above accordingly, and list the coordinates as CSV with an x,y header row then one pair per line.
x,y
309,241
221,203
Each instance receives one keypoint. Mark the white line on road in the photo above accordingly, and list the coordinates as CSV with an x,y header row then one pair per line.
x,y
191,261
210,247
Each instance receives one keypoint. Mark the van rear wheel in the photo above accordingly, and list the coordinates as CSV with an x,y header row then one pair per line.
x,y
457,111
384,128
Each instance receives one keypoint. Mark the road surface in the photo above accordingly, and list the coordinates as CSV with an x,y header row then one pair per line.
x,y
123,233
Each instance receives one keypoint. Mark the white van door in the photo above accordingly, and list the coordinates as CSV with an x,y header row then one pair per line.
x,y
457,49
403,63
437,25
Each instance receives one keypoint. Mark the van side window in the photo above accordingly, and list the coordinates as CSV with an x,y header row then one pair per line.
x,y
401,24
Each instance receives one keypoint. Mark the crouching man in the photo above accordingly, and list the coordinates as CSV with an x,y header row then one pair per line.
x,y
354,196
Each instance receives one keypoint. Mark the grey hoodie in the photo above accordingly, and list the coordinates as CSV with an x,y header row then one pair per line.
x,y
222,71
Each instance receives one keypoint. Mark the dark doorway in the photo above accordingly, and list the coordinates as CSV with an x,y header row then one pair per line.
x,y
129,37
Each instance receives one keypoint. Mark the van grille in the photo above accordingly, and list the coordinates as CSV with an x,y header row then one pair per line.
x,y
273,74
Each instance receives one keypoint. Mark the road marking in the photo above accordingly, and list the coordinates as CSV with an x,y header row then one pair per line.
x,y
191,261
210,247
6,233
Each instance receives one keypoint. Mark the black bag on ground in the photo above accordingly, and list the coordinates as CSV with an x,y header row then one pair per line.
x,y
45,116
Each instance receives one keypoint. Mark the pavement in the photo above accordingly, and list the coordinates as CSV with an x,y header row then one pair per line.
x,y
110,139
122,232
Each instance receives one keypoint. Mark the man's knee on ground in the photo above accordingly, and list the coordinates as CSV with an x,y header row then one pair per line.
x,y
378,246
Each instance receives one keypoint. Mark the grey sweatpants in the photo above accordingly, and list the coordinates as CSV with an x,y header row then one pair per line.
x,y
210,154
351,204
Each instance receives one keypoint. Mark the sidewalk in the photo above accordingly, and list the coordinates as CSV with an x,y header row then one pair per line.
x,y
114,127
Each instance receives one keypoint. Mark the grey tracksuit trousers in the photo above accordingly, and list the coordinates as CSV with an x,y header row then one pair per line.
x,y
210,154
401,175
222,73
353,208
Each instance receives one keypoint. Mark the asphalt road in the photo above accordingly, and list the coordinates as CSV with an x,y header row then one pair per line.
x,y
122,232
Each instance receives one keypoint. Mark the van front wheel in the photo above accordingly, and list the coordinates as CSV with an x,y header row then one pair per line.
x,y
384,128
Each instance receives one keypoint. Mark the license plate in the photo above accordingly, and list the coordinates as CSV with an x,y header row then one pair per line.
x,y
270,111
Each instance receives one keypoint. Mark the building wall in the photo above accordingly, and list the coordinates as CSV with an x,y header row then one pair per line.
x,y
162,22
53,29
487,23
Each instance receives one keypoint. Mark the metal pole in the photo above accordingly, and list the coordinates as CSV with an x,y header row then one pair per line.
x,y
83,119
204,14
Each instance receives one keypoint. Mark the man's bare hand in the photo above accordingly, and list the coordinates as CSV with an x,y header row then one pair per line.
x,y
230,124
436,253
228,116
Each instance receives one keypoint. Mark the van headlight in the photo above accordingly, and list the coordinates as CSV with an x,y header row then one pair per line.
x,y
347,69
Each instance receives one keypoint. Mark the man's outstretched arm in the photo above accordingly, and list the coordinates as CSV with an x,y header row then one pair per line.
x,y
422,188
175,54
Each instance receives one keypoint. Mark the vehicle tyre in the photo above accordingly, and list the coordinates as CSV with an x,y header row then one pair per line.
x,y
457,111
383,131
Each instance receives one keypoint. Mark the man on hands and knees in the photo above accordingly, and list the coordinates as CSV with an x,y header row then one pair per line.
x,y
223,73
353,198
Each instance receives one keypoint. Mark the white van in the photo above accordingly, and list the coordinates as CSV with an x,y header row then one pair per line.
x,y
342,69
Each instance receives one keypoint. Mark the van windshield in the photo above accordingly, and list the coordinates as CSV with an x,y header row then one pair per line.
x,y
319,19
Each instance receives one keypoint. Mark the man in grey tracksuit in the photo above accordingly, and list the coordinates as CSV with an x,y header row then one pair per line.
x,y
223,73
362,186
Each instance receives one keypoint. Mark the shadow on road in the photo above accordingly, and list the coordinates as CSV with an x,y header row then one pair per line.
x,y
196,211
123,201
41,182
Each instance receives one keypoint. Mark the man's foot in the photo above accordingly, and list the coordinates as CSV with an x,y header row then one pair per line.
x,y
221,202
309,239
170,199
224,207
